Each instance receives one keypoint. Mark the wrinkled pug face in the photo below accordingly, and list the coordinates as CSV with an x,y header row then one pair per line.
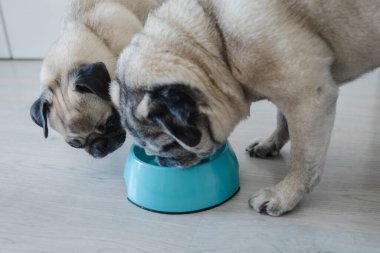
x,y
78,106
167,122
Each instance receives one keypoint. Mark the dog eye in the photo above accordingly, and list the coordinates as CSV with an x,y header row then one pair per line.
x,y
170,146
82,89
112,123
76,143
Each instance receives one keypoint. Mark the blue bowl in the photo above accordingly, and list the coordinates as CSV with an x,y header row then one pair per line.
x,y
177,191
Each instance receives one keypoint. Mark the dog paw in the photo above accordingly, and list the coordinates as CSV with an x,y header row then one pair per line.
x,y
275,201
262,149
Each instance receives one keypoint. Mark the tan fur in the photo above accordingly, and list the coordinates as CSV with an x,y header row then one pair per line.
x,y
294,53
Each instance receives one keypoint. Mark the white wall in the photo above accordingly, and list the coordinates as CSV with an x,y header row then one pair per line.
x,y
4,50
32,25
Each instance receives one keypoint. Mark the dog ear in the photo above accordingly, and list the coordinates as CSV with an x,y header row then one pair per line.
x,y
38,112
93,78
175,110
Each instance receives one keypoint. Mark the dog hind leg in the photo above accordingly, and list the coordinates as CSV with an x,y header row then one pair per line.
x,y
272,145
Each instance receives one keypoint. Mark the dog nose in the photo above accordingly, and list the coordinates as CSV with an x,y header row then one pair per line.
x,y
100,144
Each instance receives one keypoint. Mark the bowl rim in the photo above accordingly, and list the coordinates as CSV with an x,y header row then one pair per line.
x,y
220,151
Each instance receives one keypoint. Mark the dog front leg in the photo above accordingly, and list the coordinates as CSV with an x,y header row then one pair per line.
x,y
273,144
310,122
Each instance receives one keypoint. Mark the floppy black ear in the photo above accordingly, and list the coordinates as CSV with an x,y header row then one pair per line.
x,y
93,78
174,109
38,112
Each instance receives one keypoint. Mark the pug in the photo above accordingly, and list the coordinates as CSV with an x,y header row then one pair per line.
x,y
191,75
76,73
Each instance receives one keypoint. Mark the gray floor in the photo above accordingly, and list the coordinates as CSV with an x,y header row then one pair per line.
x,y
57,199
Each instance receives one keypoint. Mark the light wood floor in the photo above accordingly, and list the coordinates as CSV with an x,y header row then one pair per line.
x,y
57,199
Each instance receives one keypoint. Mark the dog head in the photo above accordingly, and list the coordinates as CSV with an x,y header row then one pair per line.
x,y
77,104
174,107
167,122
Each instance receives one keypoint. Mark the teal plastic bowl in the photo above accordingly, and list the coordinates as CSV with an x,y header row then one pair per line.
x,y
177,191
